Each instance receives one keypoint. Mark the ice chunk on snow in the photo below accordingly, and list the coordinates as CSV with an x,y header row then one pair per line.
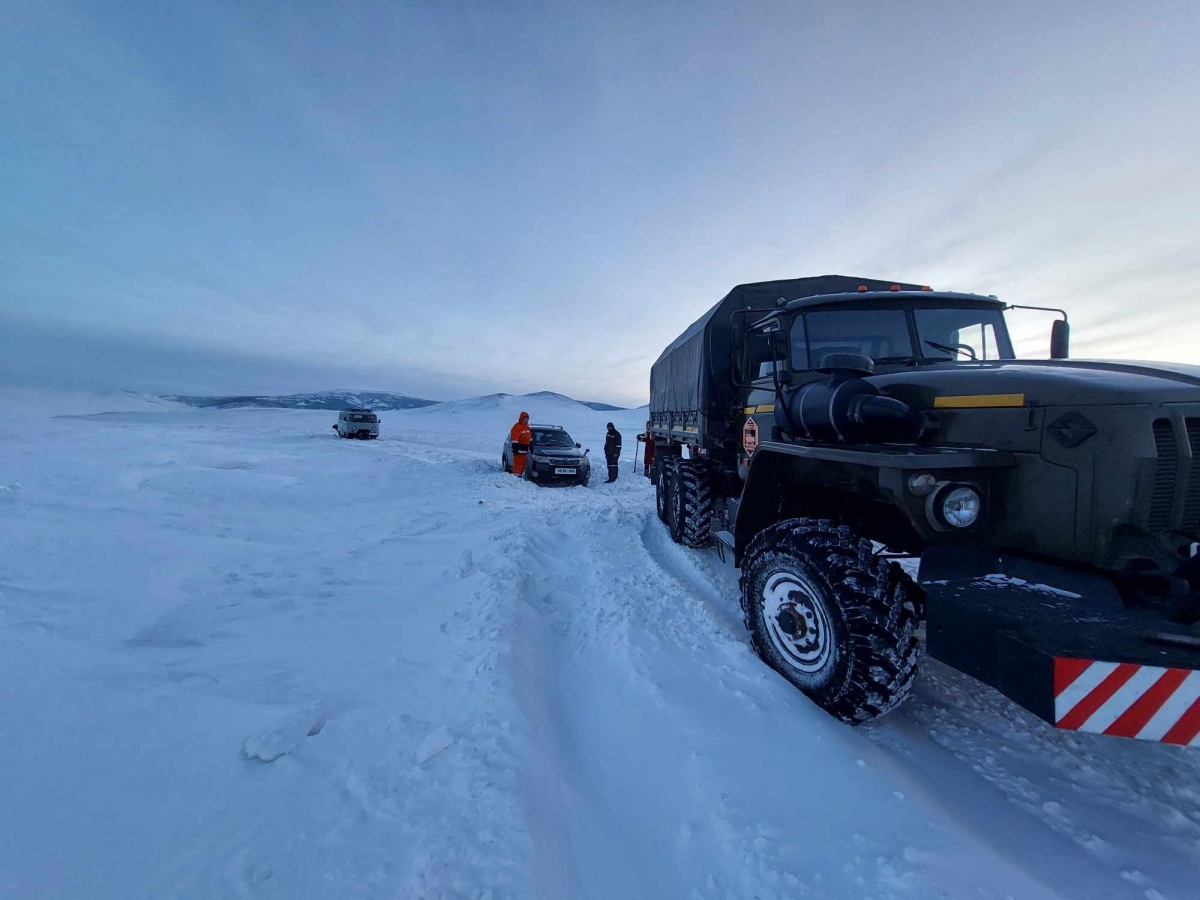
x,y
434,744
466,563
283,736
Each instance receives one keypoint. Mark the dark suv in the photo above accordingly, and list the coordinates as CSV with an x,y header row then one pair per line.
x,y
554,457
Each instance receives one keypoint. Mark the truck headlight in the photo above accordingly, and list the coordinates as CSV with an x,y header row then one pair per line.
x,y
960,506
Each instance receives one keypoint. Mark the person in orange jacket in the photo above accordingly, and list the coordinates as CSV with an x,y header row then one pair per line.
x,y
520,435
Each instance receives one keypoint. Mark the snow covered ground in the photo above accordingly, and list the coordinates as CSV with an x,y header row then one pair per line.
x,y
242,658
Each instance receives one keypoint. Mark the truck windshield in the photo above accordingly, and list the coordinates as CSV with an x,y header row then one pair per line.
x,y
877,333
963,333
552,439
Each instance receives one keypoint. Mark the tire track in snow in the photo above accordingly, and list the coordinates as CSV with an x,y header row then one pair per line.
x,y
652,725
584,597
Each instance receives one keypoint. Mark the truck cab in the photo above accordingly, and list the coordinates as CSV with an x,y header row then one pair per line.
x,y
897,331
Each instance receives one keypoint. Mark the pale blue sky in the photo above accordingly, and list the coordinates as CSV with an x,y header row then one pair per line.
x,y
451,198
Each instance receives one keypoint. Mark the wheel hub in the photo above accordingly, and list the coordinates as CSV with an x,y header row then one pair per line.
x,y
793,622
797,622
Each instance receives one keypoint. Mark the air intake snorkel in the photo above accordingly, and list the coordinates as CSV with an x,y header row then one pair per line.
x,y
846,408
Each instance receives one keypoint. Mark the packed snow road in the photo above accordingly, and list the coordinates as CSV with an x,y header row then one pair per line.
x,y
242,658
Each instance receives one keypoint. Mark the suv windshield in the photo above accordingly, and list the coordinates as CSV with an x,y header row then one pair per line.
x,y
552,439
963,333
877,333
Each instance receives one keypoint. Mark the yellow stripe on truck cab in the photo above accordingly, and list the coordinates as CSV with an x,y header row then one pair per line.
x,y
751,410
979,401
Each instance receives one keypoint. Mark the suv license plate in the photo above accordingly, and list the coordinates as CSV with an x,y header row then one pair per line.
x,y
564,471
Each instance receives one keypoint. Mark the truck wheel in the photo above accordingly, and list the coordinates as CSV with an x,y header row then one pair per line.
x,y
662,486
829,617
691,504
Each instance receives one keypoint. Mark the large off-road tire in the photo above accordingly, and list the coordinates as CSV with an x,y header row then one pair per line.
x,y
830,617
691,504
662,486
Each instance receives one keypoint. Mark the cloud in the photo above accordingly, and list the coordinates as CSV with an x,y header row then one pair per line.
x,y
521,199
34,353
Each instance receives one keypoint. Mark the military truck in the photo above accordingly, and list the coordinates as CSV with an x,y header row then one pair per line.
x,y
822,430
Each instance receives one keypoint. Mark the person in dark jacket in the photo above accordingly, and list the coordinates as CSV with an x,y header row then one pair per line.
x,y
612,451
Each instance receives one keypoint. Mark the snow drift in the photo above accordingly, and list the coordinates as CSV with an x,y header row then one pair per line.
x,y
264,662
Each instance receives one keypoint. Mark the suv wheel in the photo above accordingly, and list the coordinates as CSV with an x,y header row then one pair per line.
x,y
829,617
690,503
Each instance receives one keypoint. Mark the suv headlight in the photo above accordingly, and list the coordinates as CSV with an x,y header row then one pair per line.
x,y
539,458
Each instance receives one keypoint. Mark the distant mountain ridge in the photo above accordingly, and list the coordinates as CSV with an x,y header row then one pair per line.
x,y
380,401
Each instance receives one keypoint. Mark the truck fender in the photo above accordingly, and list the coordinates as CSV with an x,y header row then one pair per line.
x,y
878,475
759,506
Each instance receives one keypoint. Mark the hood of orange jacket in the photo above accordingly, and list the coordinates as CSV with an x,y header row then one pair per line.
x,y
520,432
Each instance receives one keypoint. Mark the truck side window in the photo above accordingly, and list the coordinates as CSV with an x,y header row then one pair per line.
x,y
800,360
759,355
877,333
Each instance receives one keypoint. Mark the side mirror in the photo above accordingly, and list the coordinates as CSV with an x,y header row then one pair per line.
x,y
578,445
587,451
1060,340
334,427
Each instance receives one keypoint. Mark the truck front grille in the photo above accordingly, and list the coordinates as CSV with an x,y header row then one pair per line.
x,y
1191,501
1165,468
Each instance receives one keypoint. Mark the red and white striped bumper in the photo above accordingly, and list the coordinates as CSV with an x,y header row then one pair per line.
x,y
1145,702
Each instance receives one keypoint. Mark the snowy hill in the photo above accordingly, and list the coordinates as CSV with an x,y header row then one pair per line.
x,y
336,400
590,404
21,403
601,407
482,423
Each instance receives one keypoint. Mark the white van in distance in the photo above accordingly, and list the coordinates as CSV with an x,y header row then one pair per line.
x,y
357,423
